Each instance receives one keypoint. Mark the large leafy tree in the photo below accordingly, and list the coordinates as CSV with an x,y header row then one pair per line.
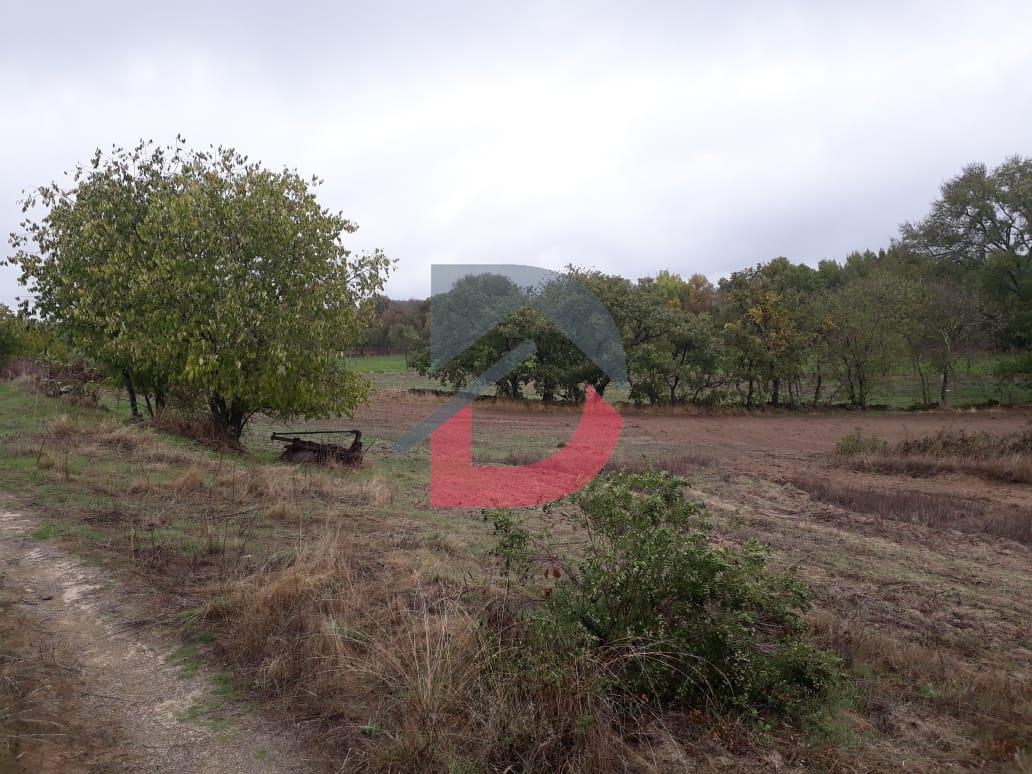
x,y
681,364
981,227
82,254
865,319
461,310
767,322
945,324
204,271
395,325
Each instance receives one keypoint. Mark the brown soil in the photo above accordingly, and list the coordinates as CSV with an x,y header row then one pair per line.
x,y
773,446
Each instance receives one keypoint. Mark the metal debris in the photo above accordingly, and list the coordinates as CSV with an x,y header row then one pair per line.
x,y
301,450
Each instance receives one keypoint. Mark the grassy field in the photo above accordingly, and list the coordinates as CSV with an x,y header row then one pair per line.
x,y
263,570
974,384
378,364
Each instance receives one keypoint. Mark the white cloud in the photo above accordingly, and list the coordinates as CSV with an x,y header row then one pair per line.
x,y
631,139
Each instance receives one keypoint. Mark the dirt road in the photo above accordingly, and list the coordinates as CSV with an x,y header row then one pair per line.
x,y
120,700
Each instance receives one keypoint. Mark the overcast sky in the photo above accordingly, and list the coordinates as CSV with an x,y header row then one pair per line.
x,y
630,137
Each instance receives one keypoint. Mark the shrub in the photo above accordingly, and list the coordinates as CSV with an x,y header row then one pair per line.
x,y
1016,372
674,618
11,336
977,446
857,443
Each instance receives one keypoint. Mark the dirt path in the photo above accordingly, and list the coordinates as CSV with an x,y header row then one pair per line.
x,y
126,685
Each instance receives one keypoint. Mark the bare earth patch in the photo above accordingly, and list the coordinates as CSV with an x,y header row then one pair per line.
x,y
125,685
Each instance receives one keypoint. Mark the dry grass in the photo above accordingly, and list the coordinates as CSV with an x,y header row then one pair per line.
x,y
190,480
371,491
46,460
412,678
285,513
125,438
61,428
139,441
25,721
140,486
997,701
196,427
683,463
1014,470
365,625
523,457
994,457
279,482
957,443
41,729
933,510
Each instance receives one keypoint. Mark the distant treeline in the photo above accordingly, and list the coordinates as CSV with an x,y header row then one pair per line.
x,y
955,285
396,326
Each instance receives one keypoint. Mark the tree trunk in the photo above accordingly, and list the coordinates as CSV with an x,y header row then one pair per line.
x,y
134,405
944,393
548,392
229,418
775,391
851,384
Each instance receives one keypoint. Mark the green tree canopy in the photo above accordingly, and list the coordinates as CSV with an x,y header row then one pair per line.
x,y
981,227
203,270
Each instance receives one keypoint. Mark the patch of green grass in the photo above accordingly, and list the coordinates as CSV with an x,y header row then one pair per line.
x,y
210,710
974,383
68,529
835,726
21,411
377,364
226,687
187,659
369,729
203,711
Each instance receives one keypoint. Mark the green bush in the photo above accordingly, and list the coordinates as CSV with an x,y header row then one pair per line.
x,y
28,338
1015,371
673,618
856,443
12,336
